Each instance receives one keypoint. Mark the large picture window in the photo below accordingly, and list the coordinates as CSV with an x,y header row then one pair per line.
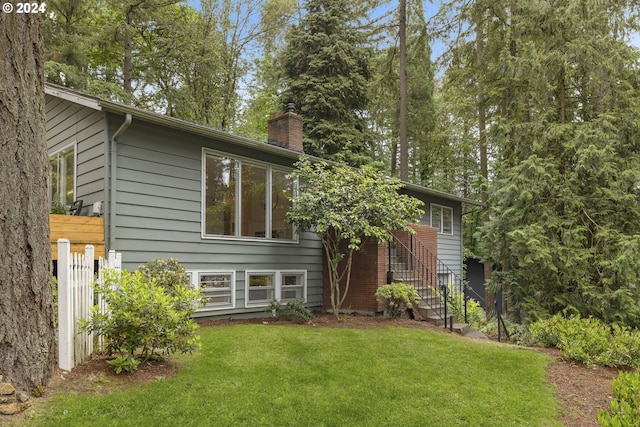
x,y
245,199
442,219
62,177
263,287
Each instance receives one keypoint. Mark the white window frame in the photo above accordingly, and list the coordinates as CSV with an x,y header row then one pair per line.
x,y
277,292
74,144
440,226
238,202
194,279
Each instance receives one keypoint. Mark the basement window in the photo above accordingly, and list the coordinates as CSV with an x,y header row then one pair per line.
x,y
264,287
217,288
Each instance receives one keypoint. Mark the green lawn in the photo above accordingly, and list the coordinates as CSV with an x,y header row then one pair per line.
x,y
257,375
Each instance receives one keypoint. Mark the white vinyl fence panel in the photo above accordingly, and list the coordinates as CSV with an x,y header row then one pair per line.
x,y
76,279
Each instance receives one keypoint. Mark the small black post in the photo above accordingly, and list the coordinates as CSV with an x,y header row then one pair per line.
x,y
497,317
443,288
464,293
389,270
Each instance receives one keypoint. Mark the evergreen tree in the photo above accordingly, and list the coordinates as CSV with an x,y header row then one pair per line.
x,y
326,73
564,227
423,157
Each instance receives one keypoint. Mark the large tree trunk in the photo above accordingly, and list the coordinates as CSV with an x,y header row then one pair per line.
x,y
489,297
404,145
27,329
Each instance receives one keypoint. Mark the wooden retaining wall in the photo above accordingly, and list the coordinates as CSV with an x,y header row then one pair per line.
x,y
80,230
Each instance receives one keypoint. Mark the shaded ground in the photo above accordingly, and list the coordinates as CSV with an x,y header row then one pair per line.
x,y
581,390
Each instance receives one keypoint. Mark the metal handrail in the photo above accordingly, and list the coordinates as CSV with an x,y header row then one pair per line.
x,y
501,322
426,270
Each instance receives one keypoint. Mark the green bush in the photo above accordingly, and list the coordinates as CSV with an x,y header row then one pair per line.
x,y
476,316
518,333
624,410
398,297
126,363
167,273
143,321
290,311
589,340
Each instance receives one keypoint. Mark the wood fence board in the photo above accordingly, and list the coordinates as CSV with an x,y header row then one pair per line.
x,y
80,230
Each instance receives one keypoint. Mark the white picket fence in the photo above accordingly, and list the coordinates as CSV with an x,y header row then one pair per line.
x,y
76,280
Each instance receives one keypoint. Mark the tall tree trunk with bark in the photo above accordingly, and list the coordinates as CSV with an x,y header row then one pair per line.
x,y
484,162
27,329
404,146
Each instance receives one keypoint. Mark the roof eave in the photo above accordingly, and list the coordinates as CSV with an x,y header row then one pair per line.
x,y
186,126
72,96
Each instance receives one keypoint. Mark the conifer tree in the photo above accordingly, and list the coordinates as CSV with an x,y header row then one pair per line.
x,y
326,73
564,225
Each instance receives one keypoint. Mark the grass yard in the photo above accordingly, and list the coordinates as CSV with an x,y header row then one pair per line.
x,y
266,375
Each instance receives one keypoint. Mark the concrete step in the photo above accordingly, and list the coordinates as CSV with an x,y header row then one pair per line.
x,y
431,311
461,328
429,300
434,320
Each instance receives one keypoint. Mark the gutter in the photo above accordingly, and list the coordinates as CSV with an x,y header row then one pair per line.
x,y
112,178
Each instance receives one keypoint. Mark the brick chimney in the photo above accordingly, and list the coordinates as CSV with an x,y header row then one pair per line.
x,y
285,129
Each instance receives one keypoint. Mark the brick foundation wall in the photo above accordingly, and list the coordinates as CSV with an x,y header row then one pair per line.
x,y
369,271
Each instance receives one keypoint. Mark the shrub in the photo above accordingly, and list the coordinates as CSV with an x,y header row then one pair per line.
x,y
291,310
589,340
476,316
142,320
167,273
126,363
624,409
518,333
397,297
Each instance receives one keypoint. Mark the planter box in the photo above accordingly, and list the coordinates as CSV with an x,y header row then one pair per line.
x,y
80,230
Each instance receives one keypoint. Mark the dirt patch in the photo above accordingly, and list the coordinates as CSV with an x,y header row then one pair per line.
x,y
582,391
97,376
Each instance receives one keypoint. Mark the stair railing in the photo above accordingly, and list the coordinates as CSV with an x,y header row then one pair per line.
x,y
414,263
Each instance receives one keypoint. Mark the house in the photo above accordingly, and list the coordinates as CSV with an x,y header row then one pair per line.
x,y
168,188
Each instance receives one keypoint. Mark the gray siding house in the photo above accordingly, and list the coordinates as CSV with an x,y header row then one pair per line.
x,y
168,188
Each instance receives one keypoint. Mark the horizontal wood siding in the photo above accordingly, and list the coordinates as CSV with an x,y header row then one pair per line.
x,y
158,214
80,230
449,245
69,123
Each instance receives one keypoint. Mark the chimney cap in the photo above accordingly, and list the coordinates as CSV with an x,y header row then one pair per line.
x,y
291,107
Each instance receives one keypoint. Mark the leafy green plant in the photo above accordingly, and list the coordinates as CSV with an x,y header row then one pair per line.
x,y
126,363
168,273
58,208
476,316
142,320
624,409
291,310
589,340
518,332
398,297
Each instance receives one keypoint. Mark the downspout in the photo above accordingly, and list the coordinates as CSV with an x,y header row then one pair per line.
x,y
112,179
